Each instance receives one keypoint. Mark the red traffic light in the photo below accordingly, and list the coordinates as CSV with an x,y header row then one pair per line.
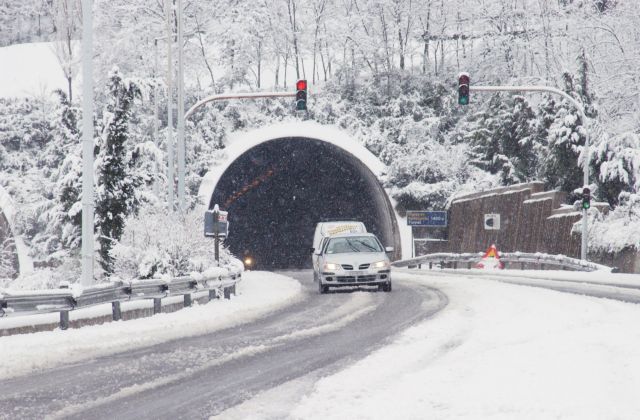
x,y
301,85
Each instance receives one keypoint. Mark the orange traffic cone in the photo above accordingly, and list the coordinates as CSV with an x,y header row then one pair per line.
x,y
491,259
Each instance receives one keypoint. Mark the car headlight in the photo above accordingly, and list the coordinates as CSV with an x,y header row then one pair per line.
x,y
331,266
381,264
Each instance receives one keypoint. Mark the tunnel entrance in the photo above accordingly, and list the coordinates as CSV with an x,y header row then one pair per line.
x,y
277,191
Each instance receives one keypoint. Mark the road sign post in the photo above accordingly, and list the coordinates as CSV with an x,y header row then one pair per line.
x,y
216,232
425,218
216,225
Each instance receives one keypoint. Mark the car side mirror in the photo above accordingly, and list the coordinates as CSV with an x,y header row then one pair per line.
x,y
312,249
318,252
388,249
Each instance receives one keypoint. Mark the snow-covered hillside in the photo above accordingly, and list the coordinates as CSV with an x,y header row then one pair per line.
x,y
30,70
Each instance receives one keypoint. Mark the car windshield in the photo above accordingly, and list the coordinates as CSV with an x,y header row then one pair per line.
x,y
353,244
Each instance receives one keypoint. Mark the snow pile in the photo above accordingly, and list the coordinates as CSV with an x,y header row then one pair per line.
x,y
258,294
496,352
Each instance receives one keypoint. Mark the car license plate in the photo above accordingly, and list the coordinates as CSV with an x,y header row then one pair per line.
x,y
356,273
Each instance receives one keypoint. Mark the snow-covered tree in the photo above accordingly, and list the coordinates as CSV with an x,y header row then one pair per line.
x,y
503,139
617,163
116,187
566,139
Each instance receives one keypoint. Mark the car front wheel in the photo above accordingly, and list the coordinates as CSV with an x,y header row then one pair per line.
x,y
321,288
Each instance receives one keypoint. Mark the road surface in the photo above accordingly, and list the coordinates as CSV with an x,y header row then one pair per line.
x,y
201,376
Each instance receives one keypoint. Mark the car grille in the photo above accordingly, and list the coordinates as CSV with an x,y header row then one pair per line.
x,y
363,266
347,267
354,279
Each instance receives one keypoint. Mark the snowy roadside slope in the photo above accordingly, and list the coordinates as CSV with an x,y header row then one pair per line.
x,y
498,351
30,70
7,207
258,294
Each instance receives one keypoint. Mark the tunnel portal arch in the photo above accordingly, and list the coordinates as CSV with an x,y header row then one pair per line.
x,y
278,182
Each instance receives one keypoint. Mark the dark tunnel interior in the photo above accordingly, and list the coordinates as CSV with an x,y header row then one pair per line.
x,y
276,192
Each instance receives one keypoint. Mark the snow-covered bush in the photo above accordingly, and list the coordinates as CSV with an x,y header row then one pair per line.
x,y
618,230
156,243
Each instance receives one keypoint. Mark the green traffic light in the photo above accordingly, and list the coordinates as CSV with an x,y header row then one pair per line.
x,y
586,205
463,100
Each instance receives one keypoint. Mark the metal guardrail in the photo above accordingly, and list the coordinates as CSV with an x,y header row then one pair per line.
x,y
518,260
64,300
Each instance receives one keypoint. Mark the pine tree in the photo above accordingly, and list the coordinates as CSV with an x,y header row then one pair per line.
x,y
566,141
503,139
116,197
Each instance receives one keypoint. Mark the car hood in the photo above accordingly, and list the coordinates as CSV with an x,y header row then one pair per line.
x,y
356,258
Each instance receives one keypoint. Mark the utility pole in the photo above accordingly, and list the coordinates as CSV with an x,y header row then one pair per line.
x,y
181,142
587,146
87,144
169,109
156,114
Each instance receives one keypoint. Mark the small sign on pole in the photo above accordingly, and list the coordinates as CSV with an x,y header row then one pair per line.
x,y
210,225
216,224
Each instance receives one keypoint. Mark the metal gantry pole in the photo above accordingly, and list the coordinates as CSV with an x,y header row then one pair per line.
x,y
181,142
587,145
170,160
87,143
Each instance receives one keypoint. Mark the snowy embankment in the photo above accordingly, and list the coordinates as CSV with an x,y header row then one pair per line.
x,y
258,294
30,70
498,351
7,207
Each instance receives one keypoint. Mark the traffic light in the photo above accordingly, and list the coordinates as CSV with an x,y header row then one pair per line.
x,y
463,89
586,198
301,95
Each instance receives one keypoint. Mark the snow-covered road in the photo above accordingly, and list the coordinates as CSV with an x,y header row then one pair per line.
x,y
197,376
495,351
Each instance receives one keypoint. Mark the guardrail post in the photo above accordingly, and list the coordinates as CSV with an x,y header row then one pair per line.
x,y
521,266
430,265
227,293
157,305
187,300
64,320
419,266
212,294
468,265
233,290
441,265
115,309
455,265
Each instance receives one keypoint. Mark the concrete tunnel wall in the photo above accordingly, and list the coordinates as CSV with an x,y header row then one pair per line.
x,y
265,169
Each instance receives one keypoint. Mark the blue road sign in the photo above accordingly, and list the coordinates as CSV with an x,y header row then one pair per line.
x,y
427,218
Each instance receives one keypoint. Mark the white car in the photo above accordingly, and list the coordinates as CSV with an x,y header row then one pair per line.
x,y
355,259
